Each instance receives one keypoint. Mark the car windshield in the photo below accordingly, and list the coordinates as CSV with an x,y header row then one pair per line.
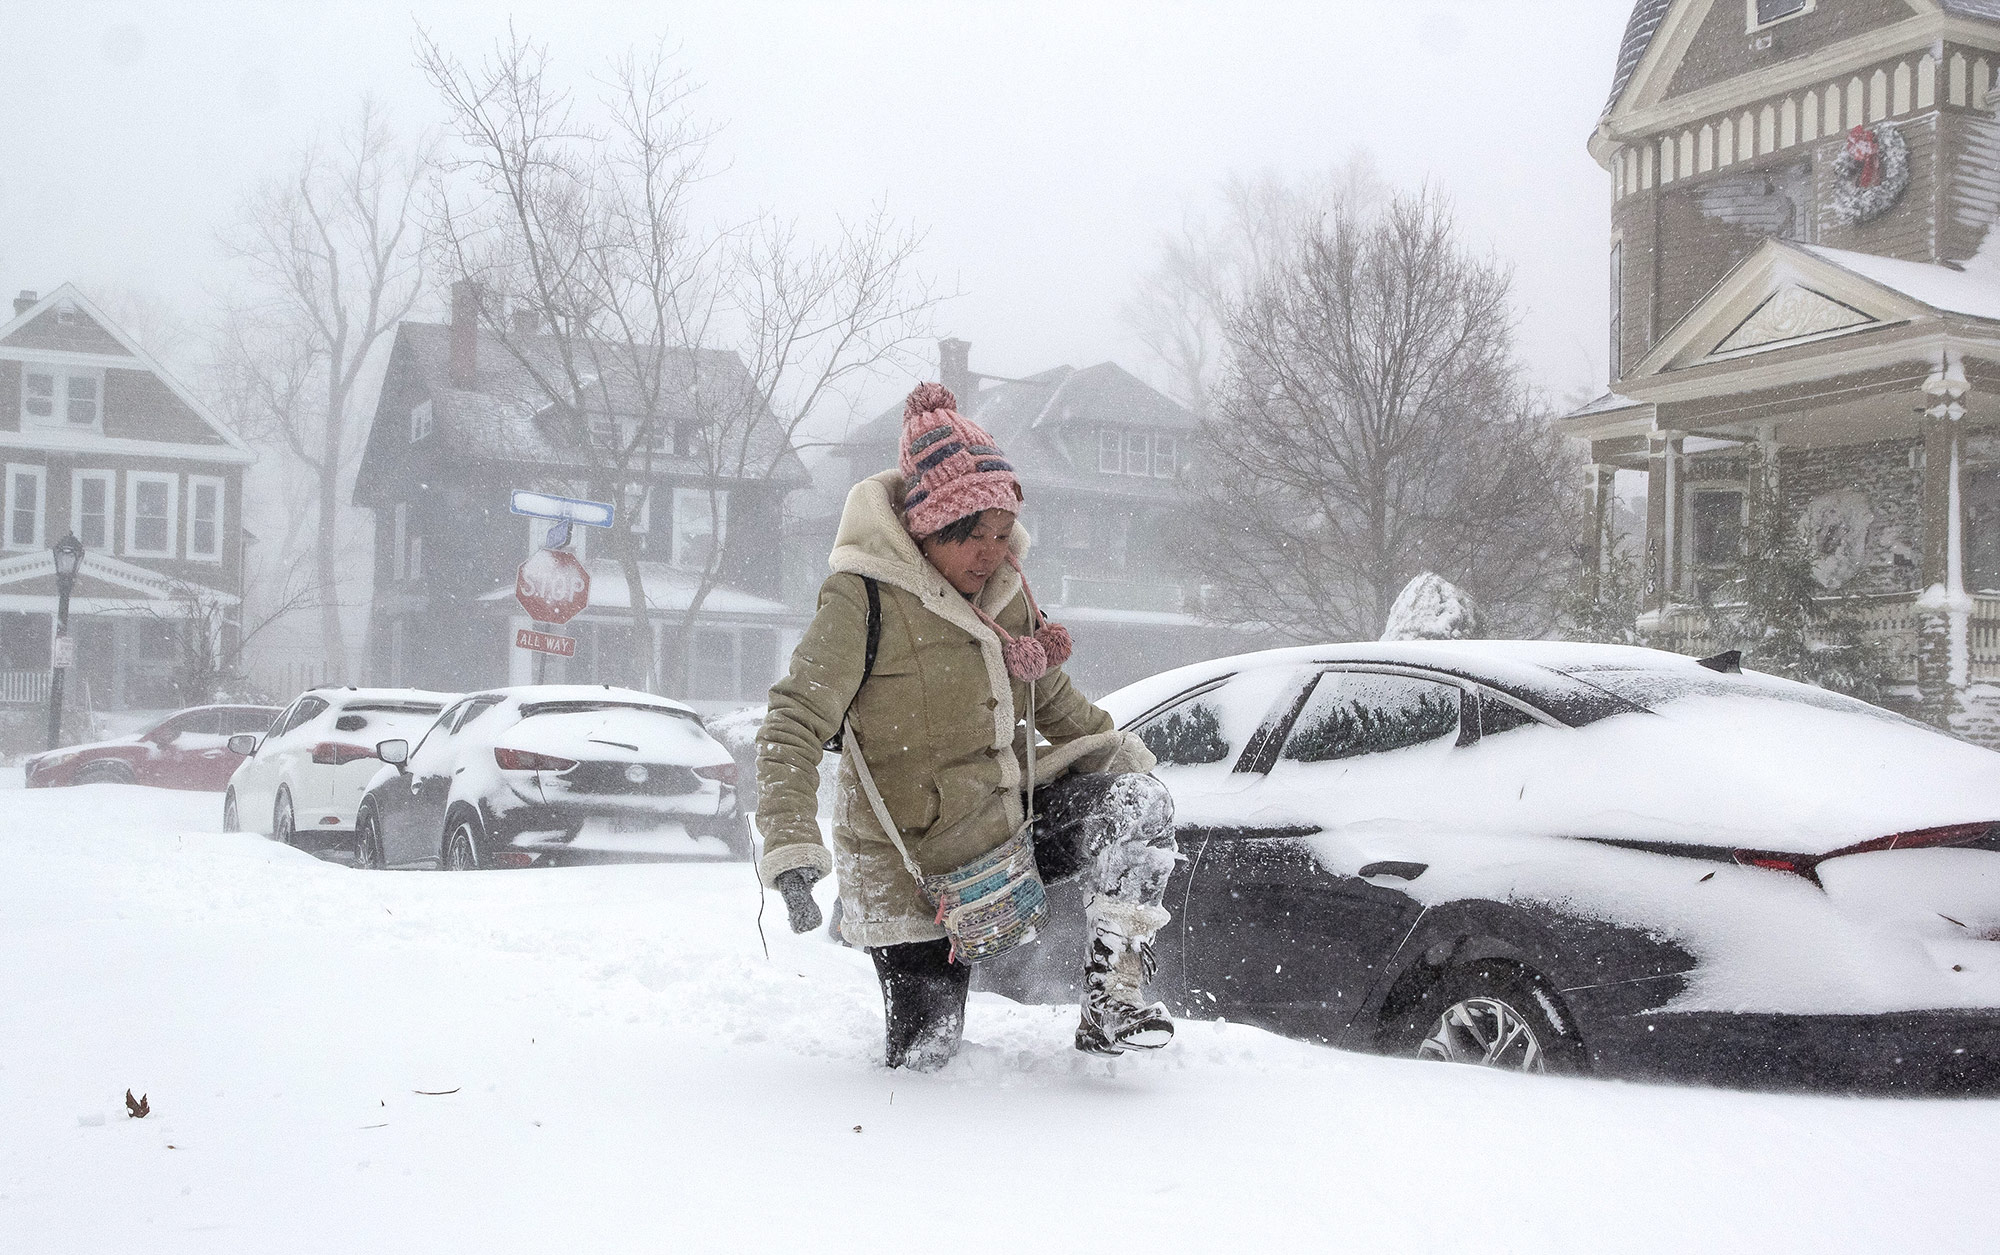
x,y
1654,688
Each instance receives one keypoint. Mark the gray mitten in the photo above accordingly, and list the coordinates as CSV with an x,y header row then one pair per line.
x,y
797,886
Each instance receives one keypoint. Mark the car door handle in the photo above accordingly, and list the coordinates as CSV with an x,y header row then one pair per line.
x,y
1401,871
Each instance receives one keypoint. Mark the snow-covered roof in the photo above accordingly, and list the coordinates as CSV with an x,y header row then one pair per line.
x,y
347,696
667,588
1973,292
1609,403
1646,18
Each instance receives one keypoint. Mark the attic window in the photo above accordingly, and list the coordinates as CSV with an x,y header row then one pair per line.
x,y
1761,13
66,315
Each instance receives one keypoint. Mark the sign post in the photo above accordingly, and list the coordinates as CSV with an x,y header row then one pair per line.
x,y
552,585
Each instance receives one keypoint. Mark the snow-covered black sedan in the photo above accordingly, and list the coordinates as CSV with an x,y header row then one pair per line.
x,y
1580,858
551,773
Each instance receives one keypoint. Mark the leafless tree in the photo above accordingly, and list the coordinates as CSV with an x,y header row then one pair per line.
x,y
655,345
333,262
1211,262
1370,422
211,632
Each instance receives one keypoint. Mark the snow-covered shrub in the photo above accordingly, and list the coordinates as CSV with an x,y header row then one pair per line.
x,y
1431,608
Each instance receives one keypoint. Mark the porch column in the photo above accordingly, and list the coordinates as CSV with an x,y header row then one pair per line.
x,y
1766,488
1663,488
1598,480
1944,612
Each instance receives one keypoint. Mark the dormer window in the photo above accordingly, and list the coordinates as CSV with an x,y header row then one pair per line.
x,y
1761,13
1137,453
70,399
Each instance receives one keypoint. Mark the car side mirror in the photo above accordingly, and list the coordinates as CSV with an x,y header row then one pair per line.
x,y
396,752
244,743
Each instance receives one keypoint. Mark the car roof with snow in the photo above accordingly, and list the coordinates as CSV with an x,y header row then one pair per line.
x,y
344,696
552,694
1576,682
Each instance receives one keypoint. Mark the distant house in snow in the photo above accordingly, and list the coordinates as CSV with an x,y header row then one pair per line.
x,y
102,443
460,423
1805,313
1100,454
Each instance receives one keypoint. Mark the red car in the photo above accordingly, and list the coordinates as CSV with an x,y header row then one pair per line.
x,y
187,750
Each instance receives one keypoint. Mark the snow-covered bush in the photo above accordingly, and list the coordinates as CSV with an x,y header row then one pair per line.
x,y
1431,608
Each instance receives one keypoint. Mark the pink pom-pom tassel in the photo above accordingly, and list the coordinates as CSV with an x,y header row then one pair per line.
x,y
1055,641
1026,660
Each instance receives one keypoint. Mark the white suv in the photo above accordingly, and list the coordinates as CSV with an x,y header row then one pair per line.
x,y
303,780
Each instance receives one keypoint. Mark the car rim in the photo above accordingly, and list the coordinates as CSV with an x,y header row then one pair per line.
x,y
229,814
459,857
367,850
281,827
1485,1031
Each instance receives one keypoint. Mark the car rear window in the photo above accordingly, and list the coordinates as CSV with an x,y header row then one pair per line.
x,y
1653,689
356,718
581,707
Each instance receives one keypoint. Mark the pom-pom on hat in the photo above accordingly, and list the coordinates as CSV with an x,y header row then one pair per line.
x,y
951,467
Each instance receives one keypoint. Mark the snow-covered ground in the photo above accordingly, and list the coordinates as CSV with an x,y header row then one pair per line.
x,y
602,1060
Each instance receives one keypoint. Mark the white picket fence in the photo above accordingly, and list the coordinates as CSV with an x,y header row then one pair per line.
x,y
24,688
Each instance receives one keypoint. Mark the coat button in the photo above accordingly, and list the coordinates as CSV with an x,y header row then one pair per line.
x,y
992,703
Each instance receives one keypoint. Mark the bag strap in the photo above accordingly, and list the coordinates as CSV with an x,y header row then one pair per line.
x,y
834,742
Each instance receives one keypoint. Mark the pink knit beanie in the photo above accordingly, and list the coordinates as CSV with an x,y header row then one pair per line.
x,y
951,468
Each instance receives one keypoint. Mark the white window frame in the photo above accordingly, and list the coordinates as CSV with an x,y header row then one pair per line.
x,y
1110,451
1750,22
133,479
58,416
77,479
699,505
415,563
40,474
195,484
422,418
1167,450
399,541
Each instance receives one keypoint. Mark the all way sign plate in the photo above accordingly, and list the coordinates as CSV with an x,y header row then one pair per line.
x,y
545,643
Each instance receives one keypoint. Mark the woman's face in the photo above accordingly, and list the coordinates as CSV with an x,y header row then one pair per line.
x,y
967,564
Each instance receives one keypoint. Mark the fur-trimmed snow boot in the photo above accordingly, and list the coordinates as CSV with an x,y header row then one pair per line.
x,y
1116,1016
923,1003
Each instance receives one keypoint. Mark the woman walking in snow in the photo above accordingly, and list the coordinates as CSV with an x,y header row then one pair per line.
x,y
928,649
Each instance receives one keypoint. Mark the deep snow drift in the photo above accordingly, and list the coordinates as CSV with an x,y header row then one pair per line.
x,y
601,1059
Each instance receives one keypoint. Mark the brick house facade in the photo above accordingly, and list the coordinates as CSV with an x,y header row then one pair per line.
x,y
458,425
1800,324
99,441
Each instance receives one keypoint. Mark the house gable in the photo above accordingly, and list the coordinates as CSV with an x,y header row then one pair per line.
x,y
145,410
1780,297
1721,45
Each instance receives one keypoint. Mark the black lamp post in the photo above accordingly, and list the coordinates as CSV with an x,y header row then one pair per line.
x,y
69,555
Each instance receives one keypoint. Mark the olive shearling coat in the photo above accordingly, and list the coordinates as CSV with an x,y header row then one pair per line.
x,y
937,722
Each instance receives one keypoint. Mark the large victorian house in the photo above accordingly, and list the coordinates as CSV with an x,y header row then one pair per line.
x,y
1100,455
464,418
101,443
1805,315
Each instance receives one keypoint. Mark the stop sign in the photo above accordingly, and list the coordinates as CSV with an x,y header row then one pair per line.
x,y
552,586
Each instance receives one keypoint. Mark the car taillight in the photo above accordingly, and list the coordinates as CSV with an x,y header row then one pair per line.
x,y
522,760
725,772
334,753
1797,864
1808,865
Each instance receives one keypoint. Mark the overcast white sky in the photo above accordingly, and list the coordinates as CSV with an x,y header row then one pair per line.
x,y
1045,146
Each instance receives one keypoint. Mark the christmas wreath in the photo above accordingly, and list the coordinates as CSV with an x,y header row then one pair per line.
x,y
1870,173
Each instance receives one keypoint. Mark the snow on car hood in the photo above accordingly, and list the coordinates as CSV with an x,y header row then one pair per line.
x,y
1723,771
621,734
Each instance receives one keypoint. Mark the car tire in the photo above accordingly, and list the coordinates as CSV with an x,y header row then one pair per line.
x,y
461,846
367,843
105,773
1497,1015
284,821
231,821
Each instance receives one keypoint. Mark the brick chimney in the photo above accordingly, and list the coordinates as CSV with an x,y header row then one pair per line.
x,y
465,334
955,370
26,301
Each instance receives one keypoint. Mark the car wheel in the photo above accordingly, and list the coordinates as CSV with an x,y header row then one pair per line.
x,y
367,843
105,773
284,827
1498,1016
461,846
230,820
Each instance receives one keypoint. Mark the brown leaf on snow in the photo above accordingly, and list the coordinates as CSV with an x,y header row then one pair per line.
x,y
137,1108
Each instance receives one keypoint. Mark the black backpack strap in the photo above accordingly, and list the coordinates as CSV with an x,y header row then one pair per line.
x,y
834,742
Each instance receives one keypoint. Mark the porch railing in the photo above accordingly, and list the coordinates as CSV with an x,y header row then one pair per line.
x,y
1892,622
24,688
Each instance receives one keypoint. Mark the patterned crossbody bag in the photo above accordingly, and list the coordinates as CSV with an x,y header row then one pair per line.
x,y
996,901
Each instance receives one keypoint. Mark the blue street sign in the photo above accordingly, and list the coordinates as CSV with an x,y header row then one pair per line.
x,y
557,536
541,505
